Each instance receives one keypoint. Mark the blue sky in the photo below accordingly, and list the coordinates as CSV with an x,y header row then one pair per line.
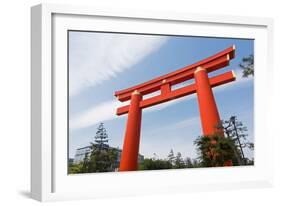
x,y
102,63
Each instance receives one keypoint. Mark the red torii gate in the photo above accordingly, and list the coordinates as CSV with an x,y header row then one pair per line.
x,y
203,87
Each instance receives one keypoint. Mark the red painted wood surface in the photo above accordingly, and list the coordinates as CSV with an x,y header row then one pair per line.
x,y
129,156
209,113
211,63
184,91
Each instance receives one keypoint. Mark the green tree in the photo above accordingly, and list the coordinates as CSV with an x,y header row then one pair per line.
x,y
171,157
102,158
112,156
75,168
214,150
85,164
99,161
179,163
188,162
101,138
195,163
155,164
247,66
236,131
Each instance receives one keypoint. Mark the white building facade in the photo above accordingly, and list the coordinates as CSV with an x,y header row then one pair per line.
x,y
83,151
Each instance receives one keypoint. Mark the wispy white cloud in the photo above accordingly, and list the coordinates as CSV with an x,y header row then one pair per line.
x,y
94,58
100,113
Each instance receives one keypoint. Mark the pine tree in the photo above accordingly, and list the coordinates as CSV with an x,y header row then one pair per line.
x,y
179,163
101,138
99,160
171,157
188,162
235,130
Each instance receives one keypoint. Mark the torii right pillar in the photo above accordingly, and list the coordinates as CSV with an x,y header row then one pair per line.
x,y
210,118
209,114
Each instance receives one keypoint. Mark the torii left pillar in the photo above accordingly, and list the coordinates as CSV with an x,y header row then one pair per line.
x,y
129,157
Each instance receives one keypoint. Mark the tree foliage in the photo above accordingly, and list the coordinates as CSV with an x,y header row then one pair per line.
x,y
75,168
102,158
171,162
236,131
152,164
101,138
215,151
179,163
171,157
247,66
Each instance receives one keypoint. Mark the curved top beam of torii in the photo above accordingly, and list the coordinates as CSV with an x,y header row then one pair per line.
x,y
165,82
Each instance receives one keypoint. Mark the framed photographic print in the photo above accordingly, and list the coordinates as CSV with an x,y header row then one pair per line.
x,y
135,102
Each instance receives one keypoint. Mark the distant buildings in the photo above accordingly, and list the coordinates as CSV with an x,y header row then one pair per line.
x,y
83,151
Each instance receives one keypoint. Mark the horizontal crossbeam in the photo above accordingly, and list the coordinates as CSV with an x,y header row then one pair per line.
x,y
211,63
175,94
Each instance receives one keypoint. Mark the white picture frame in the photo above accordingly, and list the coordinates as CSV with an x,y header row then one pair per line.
x,y
49,179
